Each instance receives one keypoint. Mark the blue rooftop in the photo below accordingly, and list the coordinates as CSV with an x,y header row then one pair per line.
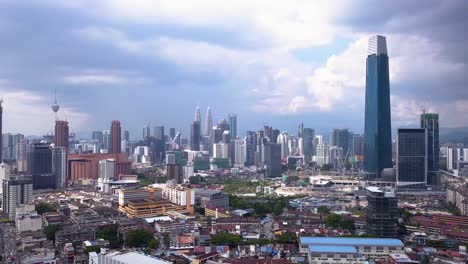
x,y
332,249
351,241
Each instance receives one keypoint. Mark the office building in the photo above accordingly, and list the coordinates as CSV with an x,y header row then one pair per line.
x,y
233,125
40,166
250,148
239,152
377,127
17,190
336,158
106,142
126,136
99,137
221,150
195,136
204,198
159,133
174,172
59,166
146,132
322,156
1,131
172,133
382,212
115,138
107,169
282,139
340,138
411,157
309,147
430,122
197,115
208,123
272,159
61,134
4,174
86,166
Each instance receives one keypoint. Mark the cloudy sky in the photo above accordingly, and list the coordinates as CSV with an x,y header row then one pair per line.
x,y
279,62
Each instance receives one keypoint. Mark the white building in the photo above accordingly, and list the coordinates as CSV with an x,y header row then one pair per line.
x,y
239,152
27,218
322,154
178,195
107,169
117,257
59,166
283,140
189,171
220,150
4,174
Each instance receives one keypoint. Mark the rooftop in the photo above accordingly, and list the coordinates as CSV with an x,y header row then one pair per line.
x,y
351,241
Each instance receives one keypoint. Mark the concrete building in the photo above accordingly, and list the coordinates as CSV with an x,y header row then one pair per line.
x,y
86,166
59,166
179,195
412,157
382,212
17,190
220,150
204,198
117,257
4,174
370,248
27,218
61,134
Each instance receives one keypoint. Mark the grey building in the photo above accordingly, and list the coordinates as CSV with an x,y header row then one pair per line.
x,y
340,138
159,132
212,198
411,157
233,125
59,167
309,147
195,136
272,159
382,212
430,122
40,166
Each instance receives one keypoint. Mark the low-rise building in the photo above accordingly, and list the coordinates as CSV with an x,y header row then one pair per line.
x,y
204,197
27,219
117,257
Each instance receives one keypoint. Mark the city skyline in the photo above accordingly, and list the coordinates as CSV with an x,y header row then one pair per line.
x,y
308,79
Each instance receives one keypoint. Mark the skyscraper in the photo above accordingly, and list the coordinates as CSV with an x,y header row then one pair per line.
x,y
411,159
146,131
272,159
308,135
300,130
340,138
116,137
61,134
377,130
59,167
195,136
382,212
98,136
430,122
126,136
197,114
159,132
208,122
40,166
251,144
1,130
172,132
233,125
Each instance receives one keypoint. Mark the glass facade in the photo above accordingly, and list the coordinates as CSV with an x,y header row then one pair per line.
x,y
382,213
377,130
411,157
430,122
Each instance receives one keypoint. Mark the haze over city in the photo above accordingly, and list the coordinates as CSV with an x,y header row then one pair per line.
x,y
278,62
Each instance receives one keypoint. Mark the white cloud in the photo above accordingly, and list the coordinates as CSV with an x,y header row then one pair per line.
x,y
30,113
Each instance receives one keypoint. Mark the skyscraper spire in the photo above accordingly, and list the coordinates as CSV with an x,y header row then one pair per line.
x,y
197,114
208,122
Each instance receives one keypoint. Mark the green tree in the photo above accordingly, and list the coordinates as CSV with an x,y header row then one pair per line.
x,y
348,225
96,249
153,244
45,207
327,167
50,231
323,210
194,179
287,238
333,220
138,238
110,234
226,239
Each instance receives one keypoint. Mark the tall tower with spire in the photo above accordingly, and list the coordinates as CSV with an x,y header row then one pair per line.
x,y
208,122
55,106
197,114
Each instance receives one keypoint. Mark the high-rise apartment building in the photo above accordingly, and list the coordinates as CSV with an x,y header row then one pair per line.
x,y
116,137
233,125
377,127
430,122
382,212
17,190
195,136
309,146
411,157
61,134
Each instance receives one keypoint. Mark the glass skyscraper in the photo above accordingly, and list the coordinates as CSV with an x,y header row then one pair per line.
x,y
430,122
377,130
411,157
